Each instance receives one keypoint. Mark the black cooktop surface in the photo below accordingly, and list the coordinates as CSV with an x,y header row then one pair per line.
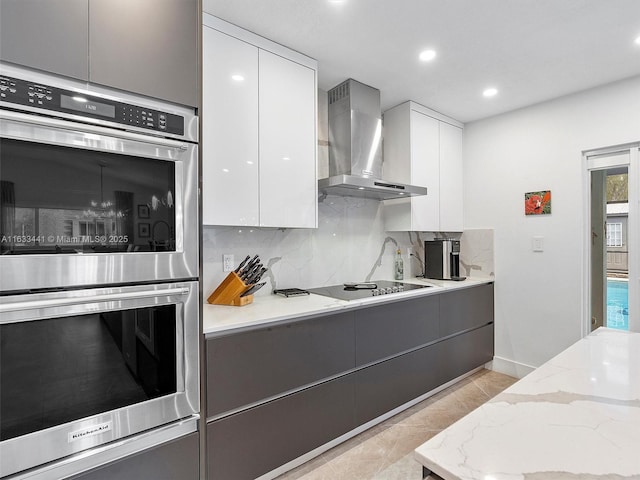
x,y
364,290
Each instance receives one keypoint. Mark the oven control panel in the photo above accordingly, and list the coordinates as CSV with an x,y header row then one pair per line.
x,y
29,94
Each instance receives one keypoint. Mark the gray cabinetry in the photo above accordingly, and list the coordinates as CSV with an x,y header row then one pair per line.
x,y
362,364
146,47
256,441
141,46
49,35
387,385
173,460
393,328
462,353
247,367
467,308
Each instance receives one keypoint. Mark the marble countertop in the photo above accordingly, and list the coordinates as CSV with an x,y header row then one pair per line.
x,y
575,417
265,309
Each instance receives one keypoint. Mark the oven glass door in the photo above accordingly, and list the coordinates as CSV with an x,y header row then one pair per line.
x,y
83,205
54,371
86,367
62,200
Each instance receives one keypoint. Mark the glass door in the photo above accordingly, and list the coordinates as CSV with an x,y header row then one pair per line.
x,y
613,237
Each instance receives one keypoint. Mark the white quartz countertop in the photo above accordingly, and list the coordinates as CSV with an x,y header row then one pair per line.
x,y
265,309
575,417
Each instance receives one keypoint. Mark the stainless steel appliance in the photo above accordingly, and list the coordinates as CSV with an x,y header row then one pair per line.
x,y
357,291
99,309
97,187
355,146
442,259
83,368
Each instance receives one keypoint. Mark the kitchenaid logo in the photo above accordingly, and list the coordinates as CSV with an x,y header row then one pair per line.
x,y
89,432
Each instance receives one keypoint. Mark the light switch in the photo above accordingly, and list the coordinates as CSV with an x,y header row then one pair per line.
x,y
538,243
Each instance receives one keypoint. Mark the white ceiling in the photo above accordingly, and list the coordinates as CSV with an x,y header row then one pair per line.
x,y
531,50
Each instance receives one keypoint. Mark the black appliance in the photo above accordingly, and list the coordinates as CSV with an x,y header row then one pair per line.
x,y
442,259
357,291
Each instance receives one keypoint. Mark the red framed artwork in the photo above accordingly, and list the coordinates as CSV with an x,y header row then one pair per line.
x,y
537,203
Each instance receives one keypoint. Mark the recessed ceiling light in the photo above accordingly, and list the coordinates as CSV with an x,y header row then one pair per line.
x,y
490,92
637,40
427,55
336,2
237,78
225,170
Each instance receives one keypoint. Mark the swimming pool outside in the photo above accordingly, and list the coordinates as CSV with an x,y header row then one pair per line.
x,y
617,304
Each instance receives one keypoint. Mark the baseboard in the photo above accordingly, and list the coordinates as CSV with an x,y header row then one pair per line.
x,y
509,367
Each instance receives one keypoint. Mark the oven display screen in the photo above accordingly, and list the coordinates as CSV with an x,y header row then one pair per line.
x,y
83,104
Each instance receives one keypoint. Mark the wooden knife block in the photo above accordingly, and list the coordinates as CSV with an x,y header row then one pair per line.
x,y
229,291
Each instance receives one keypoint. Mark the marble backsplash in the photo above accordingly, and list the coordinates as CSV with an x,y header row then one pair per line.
x,y
349,245
477,253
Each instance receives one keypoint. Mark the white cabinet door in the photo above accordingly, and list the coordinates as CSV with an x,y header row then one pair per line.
x,y
230,130
451,191
287,105
425,171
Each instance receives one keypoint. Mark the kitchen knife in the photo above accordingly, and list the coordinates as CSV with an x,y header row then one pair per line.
x,y
253,289
258,275
249,266
242,263
250,275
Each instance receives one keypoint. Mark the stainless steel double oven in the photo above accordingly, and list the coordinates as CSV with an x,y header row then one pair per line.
x,y
98,273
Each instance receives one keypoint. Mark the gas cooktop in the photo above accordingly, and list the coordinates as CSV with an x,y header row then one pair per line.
x,y
357,291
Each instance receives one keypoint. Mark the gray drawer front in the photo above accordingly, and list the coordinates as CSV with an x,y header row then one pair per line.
x,y
463,353
387,330
252,366
253,442
389,384
464,309
178,459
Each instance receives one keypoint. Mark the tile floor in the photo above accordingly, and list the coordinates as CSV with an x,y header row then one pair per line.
x,y
385,452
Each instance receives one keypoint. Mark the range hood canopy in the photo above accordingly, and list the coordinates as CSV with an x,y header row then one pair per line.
x,y
355,146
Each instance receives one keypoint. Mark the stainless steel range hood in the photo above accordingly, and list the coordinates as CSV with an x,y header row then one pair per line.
x,y
355,146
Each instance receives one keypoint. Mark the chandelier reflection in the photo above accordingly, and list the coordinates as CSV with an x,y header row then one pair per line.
x,y
164,201
104,208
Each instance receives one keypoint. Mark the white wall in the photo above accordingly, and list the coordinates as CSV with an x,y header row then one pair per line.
x,y
539,295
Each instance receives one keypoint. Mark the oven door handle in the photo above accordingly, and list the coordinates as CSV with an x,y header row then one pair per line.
x,y
58,124
109,297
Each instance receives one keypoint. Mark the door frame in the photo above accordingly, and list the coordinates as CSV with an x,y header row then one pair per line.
x,y
595,159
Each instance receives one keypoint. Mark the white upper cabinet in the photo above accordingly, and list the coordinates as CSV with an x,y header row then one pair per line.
x,y
287,143
451,191
259,131
423,147
230,130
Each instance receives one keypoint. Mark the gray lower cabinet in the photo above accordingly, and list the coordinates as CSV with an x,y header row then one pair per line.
x,y
467,308
462,353
247,367
387,385
248,444
369,360
392,328
49,35
146,46
178,459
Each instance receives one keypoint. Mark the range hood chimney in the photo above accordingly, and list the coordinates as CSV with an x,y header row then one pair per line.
x,y
355,146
